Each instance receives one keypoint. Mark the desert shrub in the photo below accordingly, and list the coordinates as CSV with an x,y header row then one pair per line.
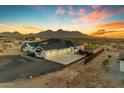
x,y
107,49
91,46
109,56
105,62
5,46
9,46
122,81
1,50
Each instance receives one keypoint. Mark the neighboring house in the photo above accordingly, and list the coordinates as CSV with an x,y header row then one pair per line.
x,y
121,60
55,47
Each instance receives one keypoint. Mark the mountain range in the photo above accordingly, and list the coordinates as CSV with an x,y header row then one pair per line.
x,y
47,34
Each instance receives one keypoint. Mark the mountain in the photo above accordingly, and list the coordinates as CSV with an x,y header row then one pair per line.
x,y
11,34
47,34
60,34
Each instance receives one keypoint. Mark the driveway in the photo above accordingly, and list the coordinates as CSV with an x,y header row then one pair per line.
x,y
20,66
66,59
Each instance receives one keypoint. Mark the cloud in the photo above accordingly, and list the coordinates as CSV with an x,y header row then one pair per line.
x,y
60,11
96,16
113,30
81,10
102,31
113,25
99,13
71,11
116,10
77,21
95,6
109,34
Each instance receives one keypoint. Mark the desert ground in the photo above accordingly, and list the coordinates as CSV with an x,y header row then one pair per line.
x,y
93,74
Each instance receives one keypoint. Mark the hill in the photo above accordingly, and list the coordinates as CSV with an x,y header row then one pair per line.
x,y
11,34
60,34
48,34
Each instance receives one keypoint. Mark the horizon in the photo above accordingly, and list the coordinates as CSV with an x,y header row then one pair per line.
x,y
97,20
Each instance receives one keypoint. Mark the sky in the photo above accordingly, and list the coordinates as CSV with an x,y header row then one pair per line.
x,y
89,19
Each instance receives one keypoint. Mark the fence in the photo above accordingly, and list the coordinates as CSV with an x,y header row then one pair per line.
x,y
87,59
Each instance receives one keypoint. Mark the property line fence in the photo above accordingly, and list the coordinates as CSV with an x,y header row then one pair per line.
x,y
87,59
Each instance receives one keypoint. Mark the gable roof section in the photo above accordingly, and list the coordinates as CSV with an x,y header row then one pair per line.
x,y
34,44
56,44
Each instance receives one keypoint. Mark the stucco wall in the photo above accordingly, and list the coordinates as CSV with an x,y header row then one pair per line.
x,y
57,52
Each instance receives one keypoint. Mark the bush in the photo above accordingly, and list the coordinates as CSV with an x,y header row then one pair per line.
x,y
1,50
109,56
91,46
105,62
122,81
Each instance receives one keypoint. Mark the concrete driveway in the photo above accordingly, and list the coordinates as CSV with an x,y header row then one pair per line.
x,y
66,59
20,66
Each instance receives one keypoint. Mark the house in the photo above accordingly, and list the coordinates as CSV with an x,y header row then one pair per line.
x,y
121,61
29,47
55,47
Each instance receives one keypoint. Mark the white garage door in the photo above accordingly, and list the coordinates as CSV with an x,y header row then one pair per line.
x,y
122,66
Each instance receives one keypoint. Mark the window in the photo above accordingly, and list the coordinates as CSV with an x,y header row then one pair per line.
x,y
39,50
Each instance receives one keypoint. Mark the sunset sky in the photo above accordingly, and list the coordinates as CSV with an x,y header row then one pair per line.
x,y
84,18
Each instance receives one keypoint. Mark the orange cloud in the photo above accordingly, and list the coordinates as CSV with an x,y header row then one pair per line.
x,y
92,17
102,31
96,16
112,34
113,25
111,30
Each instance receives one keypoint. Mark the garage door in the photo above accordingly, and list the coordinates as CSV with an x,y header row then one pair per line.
x,y
122,66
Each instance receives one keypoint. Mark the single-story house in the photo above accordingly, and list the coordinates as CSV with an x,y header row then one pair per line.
x,y
121,61
55,47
